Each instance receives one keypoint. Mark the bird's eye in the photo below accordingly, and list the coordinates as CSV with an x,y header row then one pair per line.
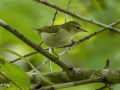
x,y
78,27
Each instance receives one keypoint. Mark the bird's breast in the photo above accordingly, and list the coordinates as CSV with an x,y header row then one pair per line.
x,y
58,39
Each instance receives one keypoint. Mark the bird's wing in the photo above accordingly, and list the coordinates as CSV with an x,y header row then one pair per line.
x,y
50,29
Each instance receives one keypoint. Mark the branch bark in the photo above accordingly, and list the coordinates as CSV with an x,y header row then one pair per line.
x,y
78,16
80,77
33,45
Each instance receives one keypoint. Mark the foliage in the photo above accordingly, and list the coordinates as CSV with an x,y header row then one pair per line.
x,y
15,74
91,54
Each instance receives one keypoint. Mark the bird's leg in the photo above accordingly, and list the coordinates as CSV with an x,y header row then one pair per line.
x,y
39,45
73,42
55,53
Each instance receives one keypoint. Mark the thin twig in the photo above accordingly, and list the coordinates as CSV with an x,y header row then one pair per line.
x,y
67,9
26,55
78,16
54,17
75,83
43,64
50,65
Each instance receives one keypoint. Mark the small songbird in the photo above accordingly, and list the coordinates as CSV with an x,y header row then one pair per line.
x,y
59,35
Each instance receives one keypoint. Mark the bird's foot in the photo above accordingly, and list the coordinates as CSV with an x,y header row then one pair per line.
x,y
57,56
39,45
72,43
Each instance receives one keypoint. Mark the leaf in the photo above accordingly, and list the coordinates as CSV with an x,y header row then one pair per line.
x,y
2,59
38,73
16,75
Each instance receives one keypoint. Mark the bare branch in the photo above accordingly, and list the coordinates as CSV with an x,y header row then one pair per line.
x,y
33,45
54,17
26,55
43,64
67,9
78,16
82,77
75,83
50,64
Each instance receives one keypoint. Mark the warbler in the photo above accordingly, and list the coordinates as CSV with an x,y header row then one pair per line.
x,y
59,35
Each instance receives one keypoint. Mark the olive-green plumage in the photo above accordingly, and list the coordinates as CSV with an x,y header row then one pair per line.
x,y
59,35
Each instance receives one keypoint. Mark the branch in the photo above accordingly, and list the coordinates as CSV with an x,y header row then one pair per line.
x,y
26,55
87,37
110,76
67,9
75,83
77,16
33,45
80,77
54,17
73,45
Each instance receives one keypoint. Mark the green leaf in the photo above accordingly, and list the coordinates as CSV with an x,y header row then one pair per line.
x,y
38,73
2,59
16,75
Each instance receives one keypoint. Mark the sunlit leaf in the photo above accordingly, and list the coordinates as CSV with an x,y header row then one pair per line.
x,y
18,77
39,74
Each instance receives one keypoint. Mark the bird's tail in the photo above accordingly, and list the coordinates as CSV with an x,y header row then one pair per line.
x,y
37,30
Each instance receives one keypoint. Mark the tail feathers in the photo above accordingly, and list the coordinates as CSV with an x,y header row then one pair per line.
x,y
38,30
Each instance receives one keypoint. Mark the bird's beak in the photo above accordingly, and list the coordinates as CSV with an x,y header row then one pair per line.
x,y
83,30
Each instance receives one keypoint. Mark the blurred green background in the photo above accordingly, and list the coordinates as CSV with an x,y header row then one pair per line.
x,y
91,54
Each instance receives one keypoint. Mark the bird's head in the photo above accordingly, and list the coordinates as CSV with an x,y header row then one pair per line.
x,y
73,27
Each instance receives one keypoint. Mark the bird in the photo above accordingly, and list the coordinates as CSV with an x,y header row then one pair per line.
x,y
59,35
